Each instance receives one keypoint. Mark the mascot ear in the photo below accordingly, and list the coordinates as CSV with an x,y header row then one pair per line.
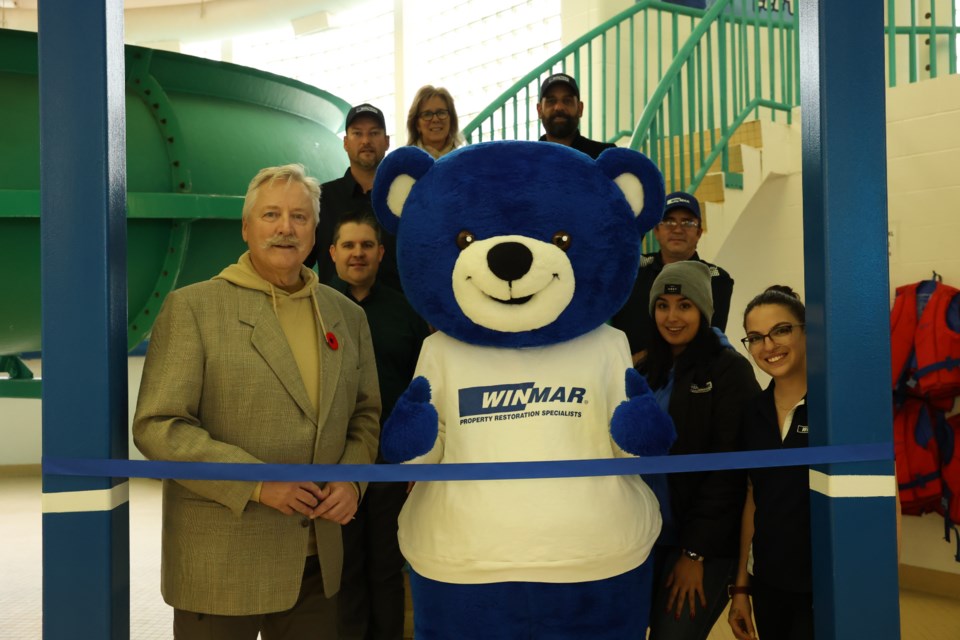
x,y
396,175
640,181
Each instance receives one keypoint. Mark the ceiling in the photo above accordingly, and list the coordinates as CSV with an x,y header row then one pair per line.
x,y
147,21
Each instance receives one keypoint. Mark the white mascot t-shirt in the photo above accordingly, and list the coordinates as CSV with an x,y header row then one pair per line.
x,y
507,405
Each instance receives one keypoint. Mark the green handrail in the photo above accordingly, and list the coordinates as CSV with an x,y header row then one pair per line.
x,y
734,56
713,71
688,161
922,35
577,58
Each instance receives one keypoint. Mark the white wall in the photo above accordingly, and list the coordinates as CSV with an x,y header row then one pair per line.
x,y
21,420
923,149
20,427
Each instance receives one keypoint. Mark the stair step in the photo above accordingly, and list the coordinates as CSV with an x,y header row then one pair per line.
x,y
749,133
736,164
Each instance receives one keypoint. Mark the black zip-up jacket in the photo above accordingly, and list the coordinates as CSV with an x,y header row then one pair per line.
x,y
781,537
707,404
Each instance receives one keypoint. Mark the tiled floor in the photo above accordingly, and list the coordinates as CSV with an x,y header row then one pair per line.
x,y
923,617
20,554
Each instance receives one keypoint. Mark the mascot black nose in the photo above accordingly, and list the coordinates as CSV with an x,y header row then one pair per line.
x,y
509,260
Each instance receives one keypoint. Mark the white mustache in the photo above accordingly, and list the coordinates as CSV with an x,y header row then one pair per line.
x,y
291,240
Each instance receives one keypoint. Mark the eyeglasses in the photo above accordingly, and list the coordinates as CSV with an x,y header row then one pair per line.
x,y
778,335
442,114
686,223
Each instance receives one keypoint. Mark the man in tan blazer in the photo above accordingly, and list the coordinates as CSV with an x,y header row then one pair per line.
x,y
260,364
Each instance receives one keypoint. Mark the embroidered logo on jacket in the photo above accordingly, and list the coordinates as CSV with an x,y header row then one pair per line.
x,y
503,398
707,388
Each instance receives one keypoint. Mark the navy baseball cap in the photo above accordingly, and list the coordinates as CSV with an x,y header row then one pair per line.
x,y
682,200
366,110
559,77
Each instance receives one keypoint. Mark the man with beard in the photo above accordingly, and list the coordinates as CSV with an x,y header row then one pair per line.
x,y
560,110
366,142
372,594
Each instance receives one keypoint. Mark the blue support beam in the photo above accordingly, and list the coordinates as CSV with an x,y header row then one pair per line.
x,y
86,591
848,347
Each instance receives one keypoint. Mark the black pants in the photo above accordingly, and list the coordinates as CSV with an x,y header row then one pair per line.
x,y
313,616
371,588
782,615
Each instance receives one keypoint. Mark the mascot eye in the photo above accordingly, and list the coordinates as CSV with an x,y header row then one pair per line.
x,y
465,239
562,240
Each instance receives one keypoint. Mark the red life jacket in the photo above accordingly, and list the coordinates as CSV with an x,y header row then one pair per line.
x,y
924,350
918,458
950,457
925,357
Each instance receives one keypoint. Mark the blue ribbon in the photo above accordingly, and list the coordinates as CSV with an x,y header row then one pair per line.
x,y
54,465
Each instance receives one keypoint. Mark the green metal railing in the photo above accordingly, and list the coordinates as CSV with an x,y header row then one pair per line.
x,y
735,62
677,83
921,41
672,80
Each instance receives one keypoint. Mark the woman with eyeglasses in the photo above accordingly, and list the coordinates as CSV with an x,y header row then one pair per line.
x,y
776,513
703,384
432,122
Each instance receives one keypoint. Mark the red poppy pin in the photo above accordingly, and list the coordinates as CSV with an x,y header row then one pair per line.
x,y
332,341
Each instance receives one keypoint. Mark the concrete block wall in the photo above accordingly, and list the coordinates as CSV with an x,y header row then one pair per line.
x,y
923,151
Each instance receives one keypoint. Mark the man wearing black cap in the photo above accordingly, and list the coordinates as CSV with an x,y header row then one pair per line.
x,y
678,233
560,110
366,142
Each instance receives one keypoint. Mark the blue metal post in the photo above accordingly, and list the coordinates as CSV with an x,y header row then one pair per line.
x,y
86,590
848,348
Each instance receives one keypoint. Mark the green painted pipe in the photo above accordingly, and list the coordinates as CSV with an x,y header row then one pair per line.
x,y
197,132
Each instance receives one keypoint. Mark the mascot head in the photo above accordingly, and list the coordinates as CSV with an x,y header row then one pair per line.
x,y
517,244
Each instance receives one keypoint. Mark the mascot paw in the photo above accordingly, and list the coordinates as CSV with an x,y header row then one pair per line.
x,y
411,429
639,426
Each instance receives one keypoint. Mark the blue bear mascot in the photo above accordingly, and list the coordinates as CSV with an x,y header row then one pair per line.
x,y
518,253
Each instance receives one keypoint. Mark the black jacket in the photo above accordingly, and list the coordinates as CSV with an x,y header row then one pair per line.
x,y
590,147
781,537
707,403
338,197
634,318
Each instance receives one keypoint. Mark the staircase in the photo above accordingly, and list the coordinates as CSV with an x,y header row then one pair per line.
x,y
688,111
710,95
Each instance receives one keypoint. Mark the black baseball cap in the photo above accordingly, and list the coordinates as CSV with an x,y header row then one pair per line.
x,y
368,111
559,77
682,200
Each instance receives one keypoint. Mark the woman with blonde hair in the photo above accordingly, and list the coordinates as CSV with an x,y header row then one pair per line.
x,y
432,122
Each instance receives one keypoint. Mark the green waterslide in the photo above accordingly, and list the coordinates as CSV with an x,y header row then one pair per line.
x,y
197,132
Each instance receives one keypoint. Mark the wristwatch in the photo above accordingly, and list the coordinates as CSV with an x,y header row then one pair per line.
x,y
733,590
693,555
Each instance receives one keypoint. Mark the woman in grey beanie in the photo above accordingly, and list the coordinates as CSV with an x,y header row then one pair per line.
x,y
704,386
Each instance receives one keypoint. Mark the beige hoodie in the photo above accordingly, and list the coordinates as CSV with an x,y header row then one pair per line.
x,y
298,315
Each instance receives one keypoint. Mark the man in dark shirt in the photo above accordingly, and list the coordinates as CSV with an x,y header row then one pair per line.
x,y
366,142
560,110
371,591
678,233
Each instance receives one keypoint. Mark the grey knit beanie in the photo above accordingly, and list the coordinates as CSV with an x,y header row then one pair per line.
x,y
690,279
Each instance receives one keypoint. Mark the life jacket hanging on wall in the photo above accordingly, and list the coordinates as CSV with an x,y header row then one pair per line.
x,y
925,357
925,341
